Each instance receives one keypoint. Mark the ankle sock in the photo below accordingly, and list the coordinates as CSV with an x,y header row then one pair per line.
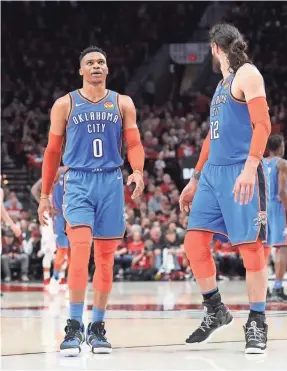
x,y
208,294
258,307
98,314
76,311
277,284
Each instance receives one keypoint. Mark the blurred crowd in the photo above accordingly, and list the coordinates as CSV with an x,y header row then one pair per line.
x,y
43,65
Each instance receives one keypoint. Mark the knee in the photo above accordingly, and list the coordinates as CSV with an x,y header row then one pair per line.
x,y
198,251
104,252
197,246
80,239
253,256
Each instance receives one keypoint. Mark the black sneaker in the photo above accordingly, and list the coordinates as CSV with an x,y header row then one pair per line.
x,y
96,338
74,338
278,295
268,295
216,317
256,334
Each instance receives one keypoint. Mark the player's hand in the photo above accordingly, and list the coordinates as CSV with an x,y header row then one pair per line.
x,y
44,206
17,231
187,195
244,186
136,178
54,211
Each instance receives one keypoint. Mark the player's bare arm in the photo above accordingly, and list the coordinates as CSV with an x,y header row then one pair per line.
x,y
249,84
188,192
5,216
282,181
53,153
135,149
36,190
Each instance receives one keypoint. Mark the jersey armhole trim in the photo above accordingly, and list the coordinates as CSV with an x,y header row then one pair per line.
x,y
71,107
237,100
118,105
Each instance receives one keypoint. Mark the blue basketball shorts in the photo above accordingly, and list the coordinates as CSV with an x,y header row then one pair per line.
x,y
277,231
214,209
59,229
95,199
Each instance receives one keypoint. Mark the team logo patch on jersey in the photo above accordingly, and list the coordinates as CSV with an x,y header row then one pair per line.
x,y
261,218
226,86
109,105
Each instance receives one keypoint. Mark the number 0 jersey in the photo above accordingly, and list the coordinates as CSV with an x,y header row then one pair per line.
x,y
230,127
93,133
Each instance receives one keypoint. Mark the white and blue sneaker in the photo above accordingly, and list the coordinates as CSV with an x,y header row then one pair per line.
x,y
74,338
96,339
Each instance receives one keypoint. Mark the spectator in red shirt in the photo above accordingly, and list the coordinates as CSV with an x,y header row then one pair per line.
x,y
143,264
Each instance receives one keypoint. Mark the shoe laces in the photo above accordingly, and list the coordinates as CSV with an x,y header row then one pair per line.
x,y
255,333
99,333
207,320
71,332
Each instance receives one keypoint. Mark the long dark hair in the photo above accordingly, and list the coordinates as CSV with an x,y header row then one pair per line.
x,y
231,42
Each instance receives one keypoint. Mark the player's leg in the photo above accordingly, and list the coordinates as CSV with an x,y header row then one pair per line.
x,y
267,251
277,220
247,227
104,251
79,214
108,231
205,219
278,294
61,254
48,248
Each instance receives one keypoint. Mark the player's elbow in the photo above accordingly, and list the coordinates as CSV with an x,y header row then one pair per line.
x,y
33,191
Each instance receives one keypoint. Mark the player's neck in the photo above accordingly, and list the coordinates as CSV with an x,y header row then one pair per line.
x,y
94,92
225,68
272,155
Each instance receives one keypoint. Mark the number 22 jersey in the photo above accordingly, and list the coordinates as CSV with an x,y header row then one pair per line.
x,y
230,126
93,133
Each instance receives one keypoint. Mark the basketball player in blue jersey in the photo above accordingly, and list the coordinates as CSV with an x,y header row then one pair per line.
x,y
228,190
62,253
277,232
94,120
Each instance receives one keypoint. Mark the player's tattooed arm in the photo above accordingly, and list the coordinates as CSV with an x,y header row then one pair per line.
x,y
282,181
135,150
196,174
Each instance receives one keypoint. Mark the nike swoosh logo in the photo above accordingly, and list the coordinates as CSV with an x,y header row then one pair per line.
x,y
79,104
119,177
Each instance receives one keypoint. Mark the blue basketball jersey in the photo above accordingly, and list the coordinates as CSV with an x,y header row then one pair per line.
x,y
58,191
94,133
230,127
273,178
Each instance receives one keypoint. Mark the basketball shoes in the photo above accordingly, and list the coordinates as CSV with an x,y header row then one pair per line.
x,y
216,318
256,334
278,295
96,339
74,338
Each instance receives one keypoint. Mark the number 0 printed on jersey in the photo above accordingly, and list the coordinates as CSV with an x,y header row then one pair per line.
x,y
214,126
98,147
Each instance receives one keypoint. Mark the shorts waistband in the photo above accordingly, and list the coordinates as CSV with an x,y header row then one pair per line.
x,y
95,170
